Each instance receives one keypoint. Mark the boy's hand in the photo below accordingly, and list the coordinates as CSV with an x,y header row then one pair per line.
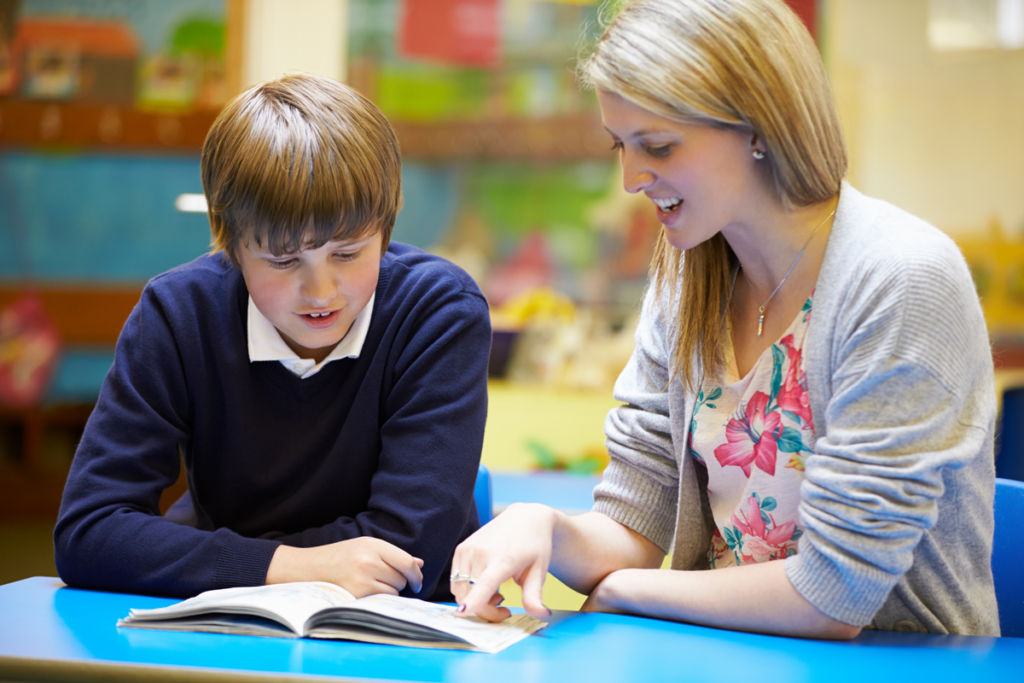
x,y
362,566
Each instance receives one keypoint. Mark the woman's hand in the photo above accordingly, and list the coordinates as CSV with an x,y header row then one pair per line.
x,y
362,566
516,545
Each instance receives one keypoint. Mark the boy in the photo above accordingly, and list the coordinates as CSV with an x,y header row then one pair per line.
x,y
325,388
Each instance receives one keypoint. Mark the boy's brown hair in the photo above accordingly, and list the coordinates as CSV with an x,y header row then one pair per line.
x,y
297,162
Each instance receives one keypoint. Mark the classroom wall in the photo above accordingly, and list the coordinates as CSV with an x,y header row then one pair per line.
x,y
298,35
81,217
937,133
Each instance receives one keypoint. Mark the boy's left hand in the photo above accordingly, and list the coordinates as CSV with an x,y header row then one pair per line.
x,y
362,566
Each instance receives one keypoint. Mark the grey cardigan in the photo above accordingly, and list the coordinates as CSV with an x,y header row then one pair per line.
x,y
896,504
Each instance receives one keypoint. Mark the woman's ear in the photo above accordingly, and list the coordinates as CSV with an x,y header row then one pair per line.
x,y
756,148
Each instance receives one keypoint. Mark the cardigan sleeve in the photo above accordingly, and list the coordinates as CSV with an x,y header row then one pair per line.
x,y
640,485
910,400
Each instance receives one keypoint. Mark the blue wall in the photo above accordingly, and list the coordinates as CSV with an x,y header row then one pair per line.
x,y
111,218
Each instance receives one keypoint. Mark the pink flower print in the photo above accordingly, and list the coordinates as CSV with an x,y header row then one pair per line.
x,y
793,393
753,438
759,542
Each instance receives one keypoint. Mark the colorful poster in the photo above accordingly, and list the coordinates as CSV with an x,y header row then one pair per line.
x,y
808,11
28,352
151,53
456,32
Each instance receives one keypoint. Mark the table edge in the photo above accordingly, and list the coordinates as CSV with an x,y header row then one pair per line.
x,y
29,670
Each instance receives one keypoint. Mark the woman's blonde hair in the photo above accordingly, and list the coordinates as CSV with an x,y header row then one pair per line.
x,y
744,65
297,162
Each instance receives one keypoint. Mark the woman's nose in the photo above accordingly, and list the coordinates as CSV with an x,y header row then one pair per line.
x,y
635,177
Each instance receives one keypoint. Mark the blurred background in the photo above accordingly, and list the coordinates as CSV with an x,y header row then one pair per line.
x,y
104,105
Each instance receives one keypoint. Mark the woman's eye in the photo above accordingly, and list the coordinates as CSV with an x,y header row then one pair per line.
x,y
662,151
616,146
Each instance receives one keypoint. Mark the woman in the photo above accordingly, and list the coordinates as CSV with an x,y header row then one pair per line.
x,y
809,409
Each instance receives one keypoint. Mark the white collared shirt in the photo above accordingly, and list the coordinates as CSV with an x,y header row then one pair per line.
x,y
266,343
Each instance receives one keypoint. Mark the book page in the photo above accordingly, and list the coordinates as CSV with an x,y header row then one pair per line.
x,y
481,635
290,604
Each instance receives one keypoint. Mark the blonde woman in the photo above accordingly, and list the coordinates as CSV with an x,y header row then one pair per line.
x,y
809,409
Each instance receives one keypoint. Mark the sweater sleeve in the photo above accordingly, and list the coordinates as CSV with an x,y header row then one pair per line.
x,y
639,487
908,404
110,533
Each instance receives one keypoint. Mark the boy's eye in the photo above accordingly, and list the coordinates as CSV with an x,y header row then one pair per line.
x,y
281,265
347,255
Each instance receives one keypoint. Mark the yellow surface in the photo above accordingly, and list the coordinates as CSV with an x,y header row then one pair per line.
x,y
997,265
568,422
556,595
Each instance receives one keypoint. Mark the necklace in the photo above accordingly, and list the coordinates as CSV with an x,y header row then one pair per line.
x,y
760,306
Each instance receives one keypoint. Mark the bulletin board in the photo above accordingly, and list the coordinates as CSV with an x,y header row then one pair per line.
x,y
115,73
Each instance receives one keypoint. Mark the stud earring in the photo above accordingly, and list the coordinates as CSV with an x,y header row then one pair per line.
x,y
758,154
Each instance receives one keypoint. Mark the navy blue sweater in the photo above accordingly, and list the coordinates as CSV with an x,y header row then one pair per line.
x,y
384,445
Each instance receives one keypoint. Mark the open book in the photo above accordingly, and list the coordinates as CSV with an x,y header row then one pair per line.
x,y
324,610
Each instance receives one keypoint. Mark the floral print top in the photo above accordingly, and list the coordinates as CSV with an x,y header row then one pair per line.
x,y
752,434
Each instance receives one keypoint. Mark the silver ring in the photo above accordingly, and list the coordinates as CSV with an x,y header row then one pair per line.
x,y
458,577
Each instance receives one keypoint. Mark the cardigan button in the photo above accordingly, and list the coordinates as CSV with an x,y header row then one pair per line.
x,y
906,626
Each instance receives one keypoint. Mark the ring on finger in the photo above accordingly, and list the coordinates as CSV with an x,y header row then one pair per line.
x,y
458,577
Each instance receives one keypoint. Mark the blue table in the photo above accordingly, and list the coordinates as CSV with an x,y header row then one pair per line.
x,y
54,633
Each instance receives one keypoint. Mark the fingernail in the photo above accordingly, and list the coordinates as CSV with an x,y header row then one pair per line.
x,y
500,602
461,609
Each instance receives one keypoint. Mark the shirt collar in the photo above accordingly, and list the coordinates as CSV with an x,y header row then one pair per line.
x,y
266,343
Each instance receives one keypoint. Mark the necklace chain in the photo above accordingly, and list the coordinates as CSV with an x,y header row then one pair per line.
x,y
761,307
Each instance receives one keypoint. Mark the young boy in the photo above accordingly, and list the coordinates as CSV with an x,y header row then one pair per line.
x,y
326,388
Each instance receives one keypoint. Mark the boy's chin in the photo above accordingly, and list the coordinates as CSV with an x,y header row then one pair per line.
x,y
314,346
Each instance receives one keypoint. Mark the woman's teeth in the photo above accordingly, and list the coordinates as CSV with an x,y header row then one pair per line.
x,y
317,315
667,204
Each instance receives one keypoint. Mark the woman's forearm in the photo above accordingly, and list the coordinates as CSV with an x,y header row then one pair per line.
x,y
586,548
757,598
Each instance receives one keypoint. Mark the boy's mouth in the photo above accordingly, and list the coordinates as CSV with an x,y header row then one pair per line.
x,y
320,320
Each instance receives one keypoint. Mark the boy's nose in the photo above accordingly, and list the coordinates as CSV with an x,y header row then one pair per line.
x,y
318,287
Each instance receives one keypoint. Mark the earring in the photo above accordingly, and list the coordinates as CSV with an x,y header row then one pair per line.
x,y
758,154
